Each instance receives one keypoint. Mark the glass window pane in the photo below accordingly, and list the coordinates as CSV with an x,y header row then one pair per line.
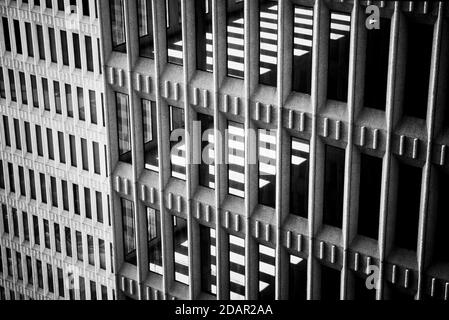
x,y
174,32
180,250
268,32
123,127
267,167
118,25
129,232
338,65
154,241
177,146
302,49
149,120
146,40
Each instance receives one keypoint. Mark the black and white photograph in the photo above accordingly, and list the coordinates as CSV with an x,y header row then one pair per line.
x,y
242,151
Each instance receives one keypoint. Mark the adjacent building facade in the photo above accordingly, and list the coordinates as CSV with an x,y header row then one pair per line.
x,y
322,139
55,229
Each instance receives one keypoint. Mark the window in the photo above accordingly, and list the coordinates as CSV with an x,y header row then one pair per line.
x,y
68,242
81,109
234,38
369,195
23,88
330,284
52,40
40,39
29,39
57,94
19,266
86,10
208,260
76,199
417,71
129,235
102,254
68,97
26,229
15,222
236,159
90,250
174,32
12,85
9,262
40,150
99,203
64,48
65,196
146,39
89,55
123,127
207,168
236,260
28,142
29,270
376,65
2,176
117,26
407,206
441,219
6,33
79,246
84,154
93,290
43,188
47,234
180,250
267,167
2,85
17,134
6,131
40,278
76,50
177,147
54,192
297,284
334,170
61,147
57,237
96,154
51,151
87,203
302,49
48,4
50,278
22,182
46,94
34,91
268,32
60,282
299,177
5,219
93,107
17,37
37,240
72,143
150,134
12,183
203,21
338,61
267,273
154,240
32,184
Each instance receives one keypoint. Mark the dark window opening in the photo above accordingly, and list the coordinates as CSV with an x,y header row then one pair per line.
x,y
333,186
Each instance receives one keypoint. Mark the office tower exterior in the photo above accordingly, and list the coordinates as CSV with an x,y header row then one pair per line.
x,y
350,184
289,149
55,230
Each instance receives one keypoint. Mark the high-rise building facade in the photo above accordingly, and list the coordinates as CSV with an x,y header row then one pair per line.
x,y
255,149
345,110
55,229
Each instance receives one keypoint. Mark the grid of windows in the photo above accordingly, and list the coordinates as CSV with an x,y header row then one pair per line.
x,y
345,137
